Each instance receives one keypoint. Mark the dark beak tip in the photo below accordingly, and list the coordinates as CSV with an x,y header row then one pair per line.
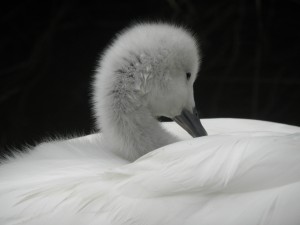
x,y
191,123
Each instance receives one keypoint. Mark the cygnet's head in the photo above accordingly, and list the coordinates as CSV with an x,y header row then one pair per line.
x,y
149,68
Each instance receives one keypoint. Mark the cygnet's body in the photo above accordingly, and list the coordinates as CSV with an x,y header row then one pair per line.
x,y
244,172
142,75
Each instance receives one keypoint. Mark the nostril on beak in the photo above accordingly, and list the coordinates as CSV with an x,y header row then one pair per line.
x,y
195,112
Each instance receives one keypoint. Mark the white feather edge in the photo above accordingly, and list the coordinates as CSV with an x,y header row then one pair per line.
x,y
244,172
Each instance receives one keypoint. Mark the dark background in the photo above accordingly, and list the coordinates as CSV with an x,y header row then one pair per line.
x,y
49,50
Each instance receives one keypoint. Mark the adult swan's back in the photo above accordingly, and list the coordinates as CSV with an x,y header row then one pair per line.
x,y
243,172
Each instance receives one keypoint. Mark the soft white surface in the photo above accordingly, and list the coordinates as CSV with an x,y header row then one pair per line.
x,y
244,172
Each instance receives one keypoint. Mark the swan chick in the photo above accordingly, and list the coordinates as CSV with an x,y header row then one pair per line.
x,y
148,71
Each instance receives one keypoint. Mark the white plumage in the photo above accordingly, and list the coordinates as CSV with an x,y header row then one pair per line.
x,y
243,172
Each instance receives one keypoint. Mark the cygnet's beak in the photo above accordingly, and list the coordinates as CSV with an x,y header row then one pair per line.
x,y
191,123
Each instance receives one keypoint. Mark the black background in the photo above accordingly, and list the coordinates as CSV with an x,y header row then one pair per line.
x,y
49,50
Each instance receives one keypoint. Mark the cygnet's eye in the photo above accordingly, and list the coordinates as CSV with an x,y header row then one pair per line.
x,y
188,76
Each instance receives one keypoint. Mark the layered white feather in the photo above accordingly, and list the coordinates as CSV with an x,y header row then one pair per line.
x,y
249,175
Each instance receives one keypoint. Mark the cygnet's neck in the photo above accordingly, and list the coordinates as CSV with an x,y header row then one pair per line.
x,y
133,133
